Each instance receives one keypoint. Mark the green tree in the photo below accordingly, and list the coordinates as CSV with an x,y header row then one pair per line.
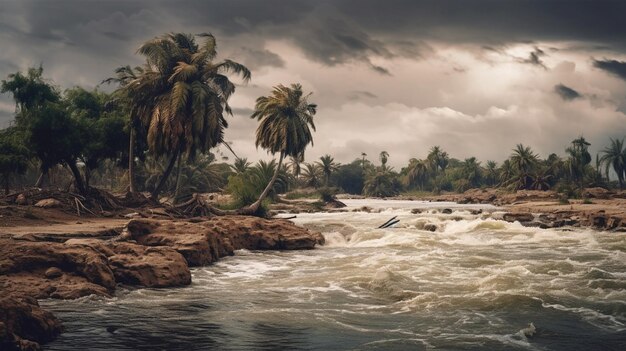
x,y
384,156
13,156
579,159
328,166
523,161
417,173
312,175
285,123
241,165
614,156
181,95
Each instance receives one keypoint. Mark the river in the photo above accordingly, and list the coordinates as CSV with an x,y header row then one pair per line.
x,y
474,284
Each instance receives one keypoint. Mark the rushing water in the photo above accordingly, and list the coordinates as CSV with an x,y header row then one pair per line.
x,y
473,284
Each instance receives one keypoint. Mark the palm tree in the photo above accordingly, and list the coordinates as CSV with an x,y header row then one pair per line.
x,y
384,156
125,75
579,158
311,175
523,160
181,96
437,159
491,173
296,165
471,171
241,165
328,165
284,120
615,155
417,172
363,155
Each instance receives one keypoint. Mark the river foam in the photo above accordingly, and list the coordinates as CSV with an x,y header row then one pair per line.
x,y
472,283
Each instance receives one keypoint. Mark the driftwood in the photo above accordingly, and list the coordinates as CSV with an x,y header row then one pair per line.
x,y
389,222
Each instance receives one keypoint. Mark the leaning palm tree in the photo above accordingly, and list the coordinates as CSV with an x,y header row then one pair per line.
x,y
328,166
285,123
614,156
181,96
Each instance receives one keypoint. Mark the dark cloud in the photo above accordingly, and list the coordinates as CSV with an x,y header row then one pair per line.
x,y
534,58
617,68
566,93
257,58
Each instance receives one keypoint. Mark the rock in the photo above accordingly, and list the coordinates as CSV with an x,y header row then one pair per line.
x,y
53,272
48,203
335,204
138,265
518,217
23,324
446,211
21,200
597,193
83,264
430,227
205,242
416,211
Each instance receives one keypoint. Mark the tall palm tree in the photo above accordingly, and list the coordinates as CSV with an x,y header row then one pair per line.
x,y
579,159
181,96
471,171
384,156
328,166
123,76
285,123
614,156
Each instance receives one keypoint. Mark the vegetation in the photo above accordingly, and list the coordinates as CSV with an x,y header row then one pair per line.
x,y
159,130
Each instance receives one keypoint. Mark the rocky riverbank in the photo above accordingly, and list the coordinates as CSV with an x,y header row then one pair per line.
x,y
73,263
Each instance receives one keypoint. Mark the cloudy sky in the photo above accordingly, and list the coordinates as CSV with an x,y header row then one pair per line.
x,y
475,77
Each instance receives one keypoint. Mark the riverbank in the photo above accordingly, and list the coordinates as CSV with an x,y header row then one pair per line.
x,y
68,260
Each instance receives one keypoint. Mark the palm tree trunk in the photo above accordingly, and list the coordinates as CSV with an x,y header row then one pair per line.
x,y
77,177
177,181
155,193
255,206
131,161
39,182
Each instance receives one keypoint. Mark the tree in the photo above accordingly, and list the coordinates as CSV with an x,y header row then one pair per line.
x,y
13,156
614,156
579,159
328,166
471,171
417,173
350,177
296,165
241,165
124,76
523,161
181,95
491,173
311,175
285,122
380,183
102,120
384,156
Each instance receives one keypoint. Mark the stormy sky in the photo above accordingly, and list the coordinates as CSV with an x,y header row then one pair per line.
x,y
475,77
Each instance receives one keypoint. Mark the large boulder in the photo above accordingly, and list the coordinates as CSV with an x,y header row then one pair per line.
x,y
205,242
83,269
23,324
518,217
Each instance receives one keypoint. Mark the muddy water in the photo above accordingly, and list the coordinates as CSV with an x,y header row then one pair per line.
x,y
473,284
